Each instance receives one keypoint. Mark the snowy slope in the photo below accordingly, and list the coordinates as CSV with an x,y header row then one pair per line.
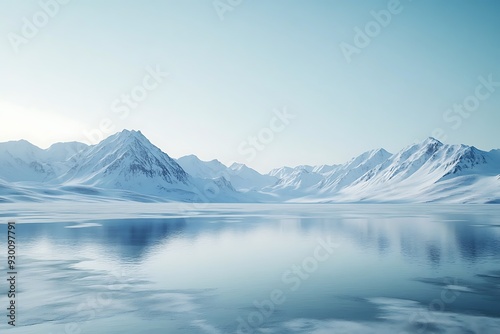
x,y
281,172
324,169
346,174
63,151
202,169
297,182
22,161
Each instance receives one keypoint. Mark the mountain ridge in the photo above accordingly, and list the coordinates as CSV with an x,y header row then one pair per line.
x,y
127,166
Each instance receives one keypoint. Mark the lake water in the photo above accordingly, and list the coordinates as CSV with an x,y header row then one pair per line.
x,y
172,268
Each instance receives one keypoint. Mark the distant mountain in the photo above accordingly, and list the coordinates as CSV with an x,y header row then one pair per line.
x,y
127,166
63,151
429,171
246,178
324,169
307,180
202,169
281,172
241,177
21,160
344,175
298,181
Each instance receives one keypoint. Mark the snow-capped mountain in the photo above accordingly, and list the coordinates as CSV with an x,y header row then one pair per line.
x,y
246,178
202,169
128,166
22,161
344,175
125,165
240,176
296,182
126,160
325,179
129,161
63,151
281,172
324,169
428,171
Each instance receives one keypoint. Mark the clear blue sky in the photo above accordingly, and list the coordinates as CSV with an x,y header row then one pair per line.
x,y
227,76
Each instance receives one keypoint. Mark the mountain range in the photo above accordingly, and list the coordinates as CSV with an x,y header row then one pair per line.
x,y
127,166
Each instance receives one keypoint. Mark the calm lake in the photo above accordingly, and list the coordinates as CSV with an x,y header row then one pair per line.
x,y
181,268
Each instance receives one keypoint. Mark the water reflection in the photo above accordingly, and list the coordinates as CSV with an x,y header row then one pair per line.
x,y
433,237
205,269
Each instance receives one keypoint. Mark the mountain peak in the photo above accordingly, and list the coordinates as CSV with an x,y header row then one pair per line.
x,y
237,166
127,160
20,143
194,158
131,133
382,151
376,152
127,137
432,141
